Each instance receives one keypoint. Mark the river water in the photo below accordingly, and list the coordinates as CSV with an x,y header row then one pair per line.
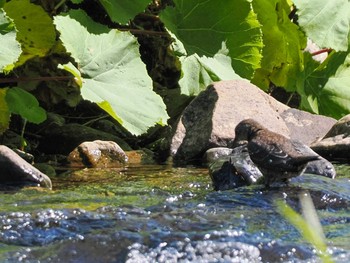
x,y
167,214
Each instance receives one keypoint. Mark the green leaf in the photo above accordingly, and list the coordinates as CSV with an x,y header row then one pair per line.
x,y
74,71
123,11
327,89
284,43
10,48
25,104
36,32
113,75
325,22
4,111
306,229
198,72
203,25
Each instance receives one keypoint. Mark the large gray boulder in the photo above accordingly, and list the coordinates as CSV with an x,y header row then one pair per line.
x,y
210,119
15,170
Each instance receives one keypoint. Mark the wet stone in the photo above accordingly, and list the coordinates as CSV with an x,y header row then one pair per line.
x,y
97,154
15,170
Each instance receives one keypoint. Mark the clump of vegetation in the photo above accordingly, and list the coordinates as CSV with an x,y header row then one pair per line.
x,y
142,61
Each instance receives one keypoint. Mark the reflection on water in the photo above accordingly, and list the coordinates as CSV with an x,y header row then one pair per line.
x,y
166,214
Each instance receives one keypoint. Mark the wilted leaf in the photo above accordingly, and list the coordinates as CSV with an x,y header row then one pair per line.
x,y
113,75
202,25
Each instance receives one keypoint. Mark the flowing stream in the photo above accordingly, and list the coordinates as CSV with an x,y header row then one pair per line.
x,y
166,214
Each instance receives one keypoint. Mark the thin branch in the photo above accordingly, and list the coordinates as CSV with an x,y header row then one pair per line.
x,y
27,79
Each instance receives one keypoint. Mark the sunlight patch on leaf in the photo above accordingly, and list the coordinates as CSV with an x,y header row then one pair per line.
x,y
36,32
10,48
113,75
325,22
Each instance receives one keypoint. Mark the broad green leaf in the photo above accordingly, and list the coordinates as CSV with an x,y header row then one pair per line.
x,y
4,111
10,49
86,21
198,72
25,104
325,22
36,32
113,75
202,25
123,11
284,43
327,88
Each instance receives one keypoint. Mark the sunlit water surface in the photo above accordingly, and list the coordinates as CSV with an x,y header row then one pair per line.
x,y
166,214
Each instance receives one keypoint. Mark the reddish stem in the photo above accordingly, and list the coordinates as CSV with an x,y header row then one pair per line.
x,y
324,50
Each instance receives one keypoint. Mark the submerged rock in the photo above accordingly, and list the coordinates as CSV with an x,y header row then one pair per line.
x,y
15,170
97,154
232,168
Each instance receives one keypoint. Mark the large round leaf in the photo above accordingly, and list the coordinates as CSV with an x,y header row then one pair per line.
x,y
113,74
203,25
325,22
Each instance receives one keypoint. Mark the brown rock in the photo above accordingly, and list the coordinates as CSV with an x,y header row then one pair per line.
x,y
97,154
335,145
341,127
14,169
210,119
306,127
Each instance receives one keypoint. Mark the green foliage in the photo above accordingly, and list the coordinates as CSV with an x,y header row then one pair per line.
x,y
25,104
326,89
309,226
4,112
123,11
203,25
325,22
113,73
10,48
213,40
199,72
36,32
282,61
